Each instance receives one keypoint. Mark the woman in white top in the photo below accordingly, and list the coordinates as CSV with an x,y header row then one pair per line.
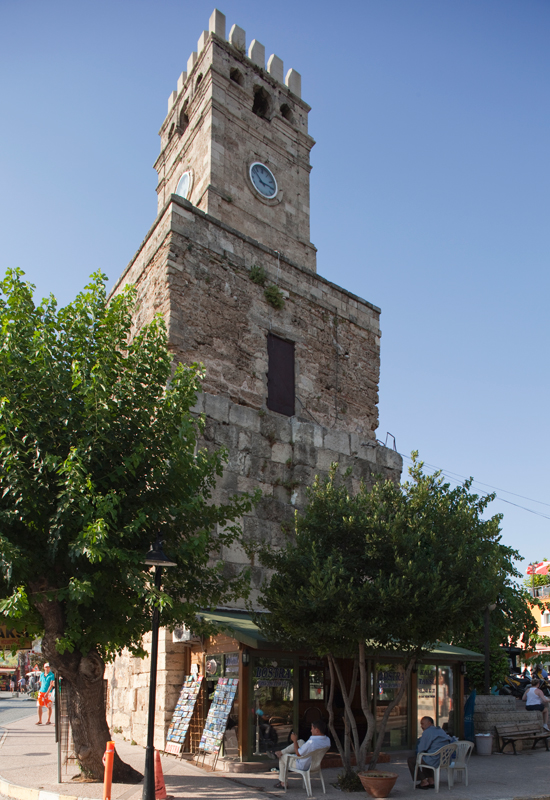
x,y
536,701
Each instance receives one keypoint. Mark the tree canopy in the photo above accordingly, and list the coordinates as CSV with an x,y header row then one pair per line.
x,y
98,453
353,559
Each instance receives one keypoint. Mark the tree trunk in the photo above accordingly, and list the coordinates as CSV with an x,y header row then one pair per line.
x,y
366,706
330,709
389,709
83,682
348,699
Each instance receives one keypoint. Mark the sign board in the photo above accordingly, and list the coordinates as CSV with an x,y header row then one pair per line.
x,y
218,713
11,639
183,712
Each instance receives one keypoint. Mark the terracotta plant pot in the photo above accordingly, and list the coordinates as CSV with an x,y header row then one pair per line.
x,y
378,784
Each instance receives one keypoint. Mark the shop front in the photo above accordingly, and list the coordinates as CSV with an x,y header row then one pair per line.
x,y
280,692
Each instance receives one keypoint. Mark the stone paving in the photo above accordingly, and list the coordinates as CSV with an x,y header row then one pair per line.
x,y
28,759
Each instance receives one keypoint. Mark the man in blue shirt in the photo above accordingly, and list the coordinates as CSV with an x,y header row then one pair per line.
x,y
45,693
432,739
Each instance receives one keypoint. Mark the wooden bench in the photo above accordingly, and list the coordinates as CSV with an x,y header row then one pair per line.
x,y
518,731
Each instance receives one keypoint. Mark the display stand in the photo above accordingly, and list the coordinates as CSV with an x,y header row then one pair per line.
x,y
181,719
216,721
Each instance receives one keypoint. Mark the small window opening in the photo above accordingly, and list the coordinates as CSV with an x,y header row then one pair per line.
x,y
236,76
262,103
197,82
184,119
286,112
280,375
171,131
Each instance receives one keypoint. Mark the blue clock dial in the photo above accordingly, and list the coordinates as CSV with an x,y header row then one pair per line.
x,y
263,180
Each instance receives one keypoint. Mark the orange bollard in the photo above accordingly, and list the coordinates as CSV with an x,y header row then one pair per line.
x,y
108,759
160,786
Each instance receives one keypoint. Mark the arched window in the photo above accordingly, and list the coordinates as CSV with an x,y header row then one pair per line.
x,y
262,103
236,76
184,119
286,112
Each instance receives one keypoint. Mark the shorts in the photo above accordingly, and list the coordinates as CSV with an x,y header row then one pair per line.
x,y
44,699
538,707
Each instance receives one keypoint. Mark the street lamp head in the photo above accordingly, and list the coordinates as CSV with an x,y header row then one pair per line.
x,y
156,556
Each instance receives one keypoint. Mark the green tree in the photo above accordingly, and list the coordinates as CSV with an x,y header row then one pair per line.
x,y
353,558
98,453
510,623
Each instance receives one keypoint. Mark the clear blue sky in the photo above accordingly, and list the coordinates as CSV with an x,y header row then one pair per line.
x,y
430,190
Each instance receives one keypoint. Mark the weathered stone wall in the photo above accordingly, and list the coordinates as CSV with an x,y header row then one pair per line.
x,y
281,456
128,696
493,710
196,271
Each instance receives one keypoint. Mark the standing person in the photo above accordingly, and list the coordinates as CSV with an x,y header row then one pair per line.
x,y
432,739
22,683
45,694
12,684
536,701
316,741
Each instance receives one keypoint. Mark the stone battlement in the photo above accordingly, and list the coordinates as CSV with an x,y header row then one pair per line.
x,y
237,39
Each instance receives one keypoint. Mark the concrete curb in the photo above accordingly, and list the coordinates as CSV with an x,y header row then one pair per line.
x,y
24,793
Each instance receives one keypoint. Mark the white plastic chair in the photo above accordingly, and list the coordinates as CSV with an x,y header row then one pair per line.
x,y
314,770
445,754
463,753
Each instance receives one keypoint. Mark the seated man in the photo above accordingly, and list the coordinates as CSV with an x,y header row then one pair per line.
x,y
316,741
432,739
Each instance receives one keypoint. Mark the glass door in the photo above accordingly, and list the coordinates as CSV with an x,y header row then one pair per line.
x,y
274,704
436,696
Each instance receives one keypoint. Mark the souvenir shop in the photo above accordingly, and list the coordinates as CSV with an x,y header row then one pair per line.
x,y
243,695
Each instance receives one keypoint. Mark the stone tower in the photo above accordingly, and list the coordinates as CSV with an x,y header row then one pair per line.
x,y
292,360
228,113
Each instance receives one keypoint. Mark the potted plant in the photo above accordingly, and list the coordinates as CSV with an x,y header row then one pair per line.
x,y
378,783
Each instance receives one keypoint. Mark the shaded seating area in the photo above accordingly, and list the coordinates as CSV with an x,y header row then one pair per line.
x,y
314,770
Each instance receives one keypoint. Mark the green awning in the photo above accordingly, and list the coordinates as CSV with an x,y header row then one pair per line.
x,y
240,625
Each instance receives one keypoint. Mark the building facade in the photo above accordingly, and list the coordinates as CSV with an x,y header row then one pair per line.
x,y
292,360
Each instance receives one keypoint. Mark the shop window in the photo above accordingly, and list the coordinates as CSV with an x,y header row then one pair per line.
x,y
436,696
280,375
390,678
316,684
272,719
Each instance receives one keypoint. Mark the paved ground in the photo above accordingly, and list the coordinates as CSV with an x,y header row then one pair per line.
x,y
13,707
28,758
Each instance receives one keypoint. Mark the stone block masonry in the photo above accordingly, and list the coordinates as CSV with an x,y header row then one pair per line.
x,y
196,271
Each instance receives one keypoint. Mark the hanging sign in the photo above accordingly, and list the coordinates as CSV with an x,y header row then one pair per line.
x,y
218,714
183,712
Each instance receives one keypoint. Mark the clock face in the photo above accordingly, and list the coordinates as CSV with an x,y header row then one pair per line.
x,y
263,180
184,185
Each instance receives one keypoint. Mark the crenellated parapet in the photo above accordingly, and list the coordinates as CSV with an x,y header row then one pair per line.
x,y
237,40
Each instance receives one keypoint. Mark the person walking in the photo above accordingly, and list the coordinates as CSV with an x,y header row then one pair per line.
x,y
45,694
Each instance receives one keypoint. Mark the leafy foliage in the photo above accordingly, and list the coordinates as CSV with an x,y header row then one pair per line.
x,y
98,452
422,545
258,275
274,296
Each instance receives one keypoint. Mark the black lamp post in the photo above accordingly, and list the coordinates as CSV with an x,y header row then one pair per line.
x,y
486,647
154,558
